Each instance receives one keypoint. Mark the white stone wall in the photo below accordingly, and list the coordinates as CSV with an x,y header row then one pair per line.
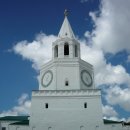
x,y
113,126
68,126
19,127
5,124
0,126
65,112
126,127
66,69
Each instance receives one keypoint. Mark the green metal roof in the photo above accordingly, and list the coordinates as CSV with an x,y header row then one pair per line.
x,y
14,118
126,123
24,122
111,122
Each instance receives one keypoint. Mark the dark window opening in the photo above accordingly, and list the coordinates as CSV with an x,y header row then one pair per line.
x,y
76,51
66,83
56,51
46,105
3,128
66,49
85,105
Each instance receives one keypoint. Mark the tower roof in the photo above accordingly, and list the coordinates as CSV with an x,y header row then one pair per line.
x,y
66,30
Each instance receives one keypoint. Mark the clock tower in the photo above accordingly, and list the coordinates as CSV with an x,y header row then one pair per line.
x,y
67,98
66,70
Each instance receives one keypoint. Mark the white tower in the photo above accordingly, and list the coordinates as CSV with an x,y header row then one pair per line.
x,y
66,71
67,98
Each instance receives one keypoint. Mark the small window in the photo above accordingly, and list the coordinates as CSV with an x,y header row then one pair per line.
x,y
85,105
3,128
66,49
56,51
76,51
46,105
66,83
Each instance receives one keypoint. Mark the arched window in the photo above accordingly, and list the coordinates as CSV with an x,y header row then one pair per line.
x,y
85,105
46,105
56,51
82,128
76,51
66,49
49,128
66,83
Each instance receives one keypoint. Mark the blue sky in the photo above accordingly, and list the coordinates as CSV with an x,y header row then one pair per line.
x,y
102,29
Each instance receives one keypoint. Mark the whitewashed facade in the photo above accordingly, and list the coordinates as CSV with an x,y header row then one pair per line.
x,y
67,98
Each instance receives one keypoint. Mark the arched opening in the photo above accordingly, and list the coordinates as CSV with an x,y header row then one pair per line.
x,y
49,128
66,83
66,49
76,51
82,128
46,105
85,105
56,51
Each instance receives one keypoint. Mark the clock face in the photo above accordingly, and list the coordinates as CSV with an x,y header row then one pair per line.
x,y
47,78
86,78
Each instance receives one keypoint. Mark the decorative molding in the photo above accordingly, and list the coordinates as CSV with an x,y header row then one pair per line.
x,y
90,92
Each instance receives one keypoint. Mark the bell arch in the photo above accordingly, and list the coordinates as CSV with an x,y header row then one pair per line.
x,y
76,51
66,49
56,51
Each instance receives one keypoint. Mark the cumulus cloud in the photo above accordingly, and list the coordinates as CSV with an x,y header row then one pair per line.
x,y
105,73
23,107
115,95
109,111
38,51
112,29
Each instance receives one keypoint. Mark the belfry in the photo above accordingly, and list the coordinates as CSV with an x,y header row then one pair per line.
x,y
66,70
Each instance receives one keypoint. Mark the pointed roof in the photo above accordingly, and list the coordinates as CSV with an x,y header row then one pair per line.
x,y
66,30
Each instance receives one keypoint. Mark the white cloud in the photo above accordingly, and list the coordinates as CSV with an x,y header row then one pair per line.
x,y
23,107
112,32
105,73
38,51
116,95
108,111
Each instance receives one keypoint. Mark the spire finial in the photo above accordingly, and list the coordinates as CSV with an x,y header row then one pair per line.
x,y
66,12
66,30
